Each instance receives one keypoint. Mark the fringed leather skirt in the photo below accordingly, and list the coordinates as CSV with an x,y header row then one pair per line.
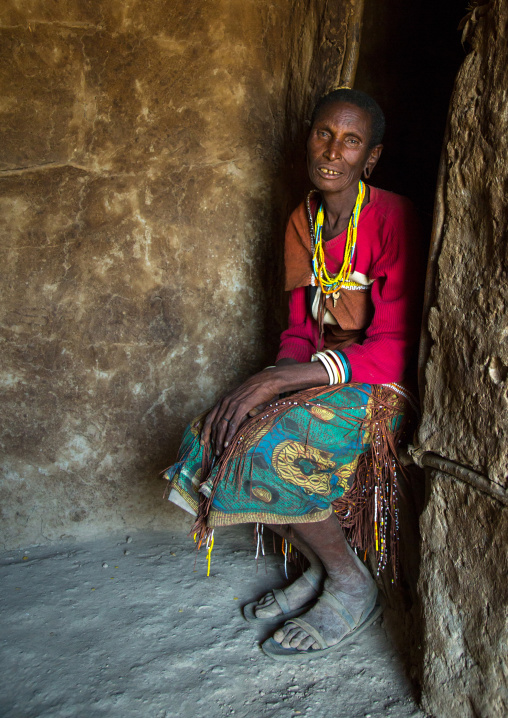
x,y
320,451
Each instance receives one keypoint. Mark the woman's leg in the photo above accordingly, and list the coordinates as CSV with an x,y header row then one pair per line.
x,y
301,591
346,576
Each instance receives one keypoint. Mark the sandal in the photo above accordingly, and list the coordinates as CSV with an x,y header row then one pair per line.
x,y
249,610
371,612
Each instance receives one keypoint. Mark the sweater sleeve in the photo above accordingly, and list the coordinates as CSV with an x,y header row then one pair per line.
x,y
396,296
299,340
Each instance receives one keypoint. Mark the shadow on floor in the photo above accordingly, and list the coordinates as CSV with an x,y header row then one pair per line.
x,y
116,628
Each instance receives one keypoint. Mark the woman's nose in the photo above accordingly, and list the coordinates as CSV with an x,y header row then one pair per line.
x,y
333,150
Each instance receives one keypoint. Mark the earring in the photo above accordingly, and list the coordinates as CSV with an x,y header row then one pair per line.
x,y
366,172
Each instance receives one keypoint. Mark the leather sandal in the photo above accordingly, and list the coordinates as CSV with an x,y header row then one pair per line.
x,y
371,612
249,610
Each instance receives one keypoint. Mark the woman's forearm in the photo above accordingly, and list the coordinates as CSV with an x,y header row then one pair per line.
x,y
293,376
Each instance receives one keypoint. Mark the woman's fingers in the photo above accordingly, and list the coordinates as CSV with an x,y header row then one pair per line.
x,y
233,425
218,427
208,424
258,409
227,416
221,433
226,424
242,411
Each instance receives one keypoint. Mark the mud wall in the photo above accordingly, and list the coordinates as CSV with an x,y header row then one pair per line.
x,y
142,146
463,584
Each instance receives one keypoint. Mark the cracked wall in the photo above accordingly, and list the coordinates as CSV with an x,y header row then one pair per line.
x,y
465,414
144,152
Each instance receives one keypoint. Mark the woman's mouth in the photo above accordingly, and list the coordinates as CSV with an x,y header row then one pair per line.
x,y
328,172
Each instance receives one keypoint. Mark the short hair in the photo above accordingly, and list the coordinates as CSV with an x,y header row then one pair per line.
x,y
361,100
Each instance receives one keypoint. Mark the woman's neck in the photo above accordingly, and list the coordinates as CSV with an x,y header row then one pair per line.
x,y
338,209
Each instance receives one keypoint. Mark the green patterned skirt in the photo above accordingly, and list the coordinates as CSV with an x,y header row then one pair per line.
x,y
292,464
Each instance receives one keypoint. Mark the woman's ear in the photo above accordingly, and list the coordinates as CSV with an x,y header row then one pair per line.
x,y
372,160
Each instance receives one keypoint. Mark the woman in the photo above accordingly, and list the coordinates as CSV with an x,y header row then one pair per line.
x,y
324,457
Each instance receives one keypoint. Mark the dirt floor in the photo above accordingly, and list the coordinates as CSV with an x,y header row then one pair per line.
x,y
131,626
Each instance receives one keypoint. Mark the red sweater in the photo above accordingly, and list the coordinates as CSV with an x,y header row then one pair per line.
x,y
388,251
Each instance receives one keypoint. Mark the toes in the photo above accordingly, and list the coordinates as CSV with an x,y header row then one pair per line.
x,y
291,636
279,635
307,642
297,639
285,633
266,600
266,612
291,639
266,607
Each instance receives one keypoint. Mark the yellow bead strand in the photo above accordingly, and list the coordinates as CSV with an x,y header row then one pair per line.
x,y
330,284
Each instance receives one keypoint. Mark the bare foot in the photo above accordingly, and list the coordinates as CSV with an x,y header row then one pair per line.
x,y
297,594
355,597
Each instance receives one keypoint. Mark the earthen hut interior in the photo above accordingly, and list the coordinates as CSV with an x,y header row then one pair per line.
x,y
150,155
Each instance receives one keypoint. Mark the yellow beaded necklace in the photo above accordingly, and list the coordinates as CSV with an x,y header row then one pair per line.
x,y
332,284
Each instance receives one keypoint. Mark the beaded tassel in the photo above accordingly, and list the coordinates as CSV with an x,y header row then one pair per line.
x,y
210,540
260,543
285,551
369,512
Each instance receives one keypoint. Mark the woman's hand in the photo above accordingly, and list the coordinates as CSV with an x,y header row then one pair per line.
x,y
226,417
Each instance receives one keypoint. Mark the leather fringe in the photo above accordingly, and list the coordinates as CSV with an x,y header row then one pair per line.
x,y
368,512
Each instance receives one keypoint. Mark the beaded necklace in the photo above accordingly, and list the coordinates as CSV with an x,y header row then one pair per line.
x,y
332,284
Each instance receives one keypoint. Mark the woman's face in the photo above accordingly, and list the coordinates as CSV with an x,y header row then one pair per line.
x,y
338,147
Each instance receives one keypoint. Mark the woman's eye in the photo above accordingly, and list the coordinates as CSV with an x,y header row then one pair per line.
x,y
353,141
322,133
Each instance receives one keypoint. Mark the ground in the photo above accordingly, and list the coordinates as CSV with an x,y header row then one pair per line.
x,y
131,626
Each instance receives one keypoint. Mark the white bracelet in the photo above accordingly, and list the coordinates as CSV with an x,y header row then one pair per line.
x,y
317,357
338,363
331,370
326,359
